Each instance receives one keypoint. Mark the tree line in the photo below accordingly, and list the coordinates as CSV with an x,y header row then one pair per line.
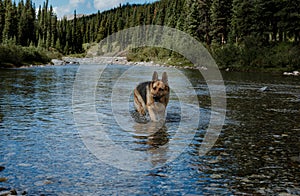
x,y
226,27
21,24
210,21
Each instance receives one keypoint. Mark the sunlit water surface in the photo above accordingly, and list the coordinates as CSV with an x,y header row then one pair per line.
x,y
43,152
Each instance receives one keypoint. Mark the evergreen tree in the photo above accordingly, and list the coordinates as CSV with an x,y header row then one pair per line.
x,y
205,18
220,21
221,17
243,19
26,33
8,22
192,18
2,19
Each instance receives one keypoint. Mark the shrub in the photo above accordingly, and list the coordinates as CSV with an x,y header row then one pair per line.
x,y
16,56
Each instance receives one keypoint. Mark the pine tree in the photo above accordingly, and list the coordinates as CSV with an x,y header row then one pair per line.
x,y
2,19
26,33
243,19
205,18
221,17
7,29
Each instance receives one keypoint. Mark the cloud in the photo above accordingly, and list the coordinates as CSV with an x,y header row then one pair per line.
x,y
75,3
62,11
107,4
68,9
89,5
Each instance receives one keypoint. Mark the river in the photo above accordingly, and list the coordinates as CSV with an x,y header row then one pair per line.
x,y
43,151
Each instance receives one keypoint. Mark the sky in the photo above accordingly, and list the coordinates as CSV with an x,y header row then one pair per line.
x,y
67,7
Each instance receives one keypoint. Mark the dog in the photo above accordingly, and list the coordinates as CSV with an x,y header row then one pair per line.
x,y
153,97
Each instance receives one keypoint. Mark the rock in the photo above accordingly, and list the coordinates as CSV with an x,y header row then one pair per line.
x,y
294,73
3,179
3,189
2,168
13,192
7,192
277,136
286,194
245,180
287,73
295,159
4,193
42,183
264,89
216,176
257,176
214,161
262,191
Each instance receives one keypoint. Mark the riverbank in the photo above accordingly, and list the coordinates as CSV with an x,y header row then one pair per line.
x,y
124,61
176,62
14,56
248,56
121,61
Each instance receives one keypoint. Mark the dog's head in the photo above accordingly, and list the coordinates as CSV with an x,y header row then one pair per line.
x,y
159,88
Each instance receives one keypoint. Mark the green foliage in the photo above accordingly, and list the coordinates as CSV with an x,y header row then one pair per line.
x,y
157,55
240,33
20,24
227,55
221,11
16,56
252,56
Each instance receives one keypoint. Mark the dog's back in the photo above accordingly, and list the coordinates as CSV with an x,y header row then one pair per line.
x,y
142,89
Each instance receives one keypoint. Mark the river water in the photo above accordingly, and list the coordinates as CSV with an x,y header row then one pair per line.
x,y
43,150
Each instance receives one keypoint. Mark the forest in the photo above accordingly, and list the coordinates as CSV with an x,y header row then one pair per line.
x,y
240,34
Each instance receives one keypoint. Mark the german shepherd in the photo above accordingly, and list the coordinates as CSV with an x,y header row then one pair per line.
x,y
153,97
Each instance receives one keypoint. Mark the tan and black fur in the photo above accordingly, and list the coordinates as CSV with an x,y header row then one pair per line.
x,y
152,96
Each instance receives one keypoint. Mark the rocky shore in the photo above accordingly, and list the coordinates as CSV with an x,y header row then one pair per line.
x,y
294,73
119,61
123,61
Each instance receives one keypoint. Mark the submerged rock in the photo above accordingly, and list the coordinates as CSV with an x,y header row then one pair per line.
x,y
294,73
295,159
7,192
264,89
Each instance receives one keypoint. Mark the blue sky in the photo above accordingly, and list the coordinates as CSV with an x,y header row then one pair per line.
x,y
67,7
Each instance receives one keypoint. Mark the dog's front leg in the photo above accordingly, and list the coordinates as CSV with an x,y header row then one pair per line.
x,y
156,111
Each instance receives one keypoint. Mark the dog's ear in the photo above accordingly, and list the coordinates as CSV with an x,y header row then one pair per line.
x,y
155,76
164,78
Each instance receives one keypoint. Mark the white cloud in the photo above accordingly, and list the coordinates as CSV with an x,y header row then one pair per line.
x,y
67,10
107,4
75,3
62,11
89,5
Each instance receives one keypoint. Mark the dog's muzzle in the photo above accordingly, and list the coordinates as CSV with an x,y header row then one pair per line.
x,y
156,98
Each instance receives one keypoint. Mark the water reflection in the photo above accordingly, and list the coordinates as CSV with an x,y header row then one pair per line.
x,y
154,137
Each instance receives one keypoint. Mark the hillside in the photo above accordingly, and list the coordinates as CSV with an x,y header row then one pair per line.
x,y
260,34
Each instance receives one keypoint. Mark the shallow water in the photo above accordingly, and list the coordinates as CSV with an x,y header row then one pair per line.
x,y
44,151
